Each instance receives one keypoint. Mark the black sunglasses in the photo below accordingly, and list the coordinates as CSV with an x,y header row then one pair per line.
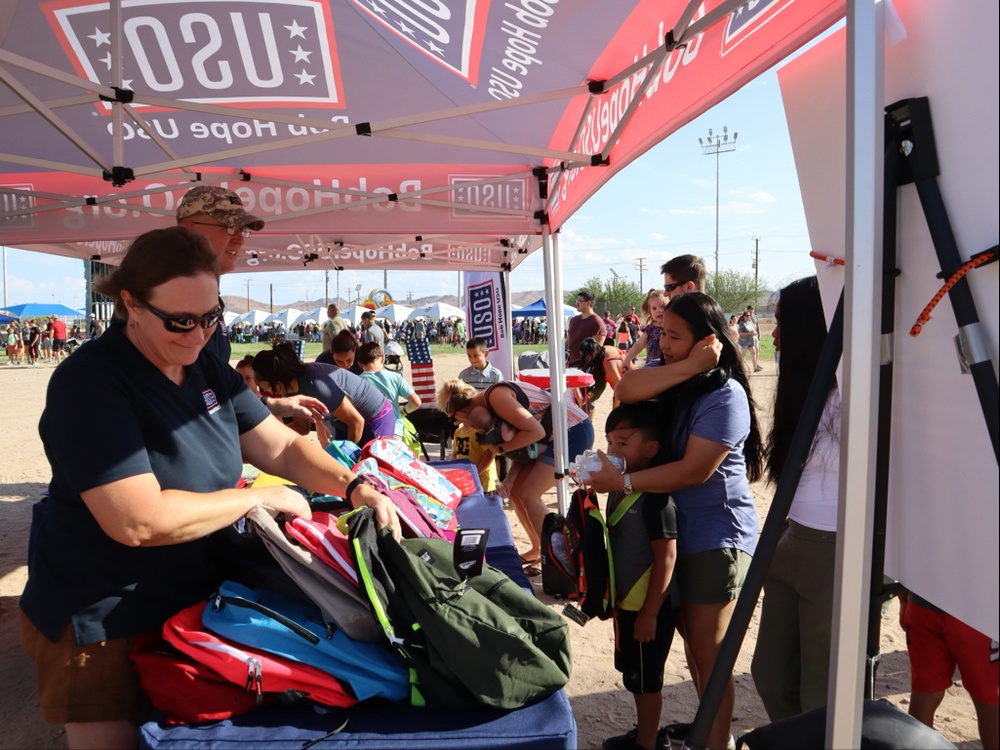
x,y
185,323
671,287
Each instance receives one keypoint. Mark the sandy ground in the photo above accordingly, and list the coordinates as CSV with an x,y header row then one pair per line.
x,y
602,708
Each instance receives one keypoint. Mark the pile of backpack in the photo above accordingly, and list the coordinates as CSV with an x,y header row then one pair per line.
x,y
331,610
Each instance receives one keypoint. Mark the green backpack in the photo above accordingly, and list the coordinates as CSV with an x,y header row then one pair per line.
x,y
488,643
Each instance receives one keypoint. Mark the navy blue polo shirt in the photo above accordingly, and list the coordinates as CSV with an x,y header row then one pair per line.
x,y
111,414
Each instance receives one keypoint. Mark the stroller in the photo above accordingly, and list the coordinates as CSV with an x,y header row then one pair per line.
x,y
393,356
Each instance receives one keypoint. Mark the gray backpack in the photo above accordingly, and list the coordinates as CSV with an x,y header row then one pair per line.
x,y
341,602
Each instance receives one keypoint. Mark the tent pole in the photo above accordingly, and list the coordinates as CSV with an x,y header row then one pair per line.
x,y
557,375
862,296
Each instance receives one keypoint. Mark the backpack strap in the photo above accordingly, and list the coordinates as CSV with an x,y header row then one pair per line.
x,y
519,394
622,508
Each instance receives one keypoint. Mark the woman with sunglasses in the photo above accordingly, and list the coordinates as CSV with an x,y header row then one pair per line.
x,y
358,411
144,470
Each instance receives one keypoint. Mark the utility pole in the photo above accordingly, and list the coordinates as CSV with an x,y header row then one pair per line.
x,y
326,288
756,269
271,287
249,282
640,263
717,144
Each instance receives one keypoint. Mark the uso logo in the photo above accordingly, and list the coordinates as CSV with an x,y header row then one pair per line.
x,y
747,18
482,313
277,52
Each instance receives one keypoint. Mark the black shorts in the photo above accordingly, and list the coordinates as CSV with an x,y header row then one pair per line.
x,y
641,664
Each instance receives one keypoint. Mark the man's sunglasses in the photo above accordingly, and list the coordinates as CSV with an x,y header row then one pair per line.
x,y
671,287
186,323
245,231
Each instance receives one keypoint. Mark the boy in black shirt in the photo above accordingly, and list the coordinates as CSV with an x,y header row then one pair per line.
x,y
643,533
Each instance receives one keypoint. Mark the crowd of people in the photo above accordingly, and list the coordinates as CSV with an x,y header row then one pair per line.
x,y
146,508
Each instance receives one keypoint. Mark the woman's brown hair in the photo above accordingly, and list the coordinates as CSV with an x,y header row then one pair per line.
x,y
154,258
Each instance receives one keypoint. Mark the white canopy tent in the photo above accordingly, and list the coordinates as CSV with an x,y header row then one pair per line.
x,y
437,311
394,313
286,318
317,315
252,318
463,148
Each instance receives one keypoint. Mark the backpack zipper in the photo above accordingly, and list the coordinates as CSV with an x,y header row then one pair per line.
x,y
255,679
266,611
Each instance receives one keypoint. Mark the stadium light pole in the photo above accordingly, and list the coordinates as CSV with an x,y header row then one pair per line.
x,y
715,145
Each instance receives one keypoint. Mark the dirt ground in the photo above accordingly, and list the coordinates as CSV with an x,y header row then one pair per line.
x,y
602,708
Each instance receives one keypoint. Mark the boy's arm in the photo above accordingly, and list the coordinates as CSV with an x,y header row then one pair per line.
x,y
413,403
664,557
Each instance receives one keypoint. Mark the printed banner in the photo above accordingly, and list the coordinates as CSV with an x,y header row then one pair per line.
x,y
486,317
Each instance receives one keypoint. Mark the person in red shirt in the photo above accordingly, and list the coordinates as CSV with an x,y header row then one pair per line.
x,y
58,330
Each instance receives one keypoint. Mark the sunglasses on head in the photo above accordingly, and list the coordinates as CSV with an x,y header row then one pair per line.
x,y
185,323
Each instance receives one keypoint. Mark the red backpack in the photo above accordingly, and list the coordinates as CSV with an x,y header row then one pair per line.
x,y
258,671
186,691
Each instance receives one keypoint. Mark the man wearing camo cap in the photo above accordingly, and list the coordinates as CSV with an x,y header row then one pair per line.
x,y
218,215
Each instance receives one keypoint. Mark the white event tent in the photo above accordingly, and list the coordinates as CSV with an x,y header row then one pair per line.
x,y
449,136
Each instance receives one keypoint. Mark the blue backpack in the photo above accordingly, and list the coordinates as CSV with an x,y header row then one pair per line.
x,y
295,630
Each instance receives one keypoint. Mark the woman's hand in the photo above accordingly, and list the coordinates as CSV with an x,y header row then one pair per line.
x,y
385,511
608,478
283,499
302,407
705,354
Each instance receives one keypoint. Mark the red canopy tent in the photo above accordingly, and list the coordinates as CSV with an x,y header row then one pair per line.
x,y
388,134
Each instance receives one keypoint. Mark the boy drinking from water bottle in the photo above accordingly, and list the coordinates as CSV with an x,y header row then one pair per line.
x,y
643,533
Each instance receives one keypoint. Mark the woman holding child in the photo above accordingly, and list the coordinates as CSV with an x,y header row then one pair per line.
x,y
516,411
712,451
126,535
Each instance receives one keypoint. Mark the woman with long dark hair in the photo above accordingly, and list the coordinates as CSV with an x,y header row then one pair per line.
x,y
359,411
713,451
791,662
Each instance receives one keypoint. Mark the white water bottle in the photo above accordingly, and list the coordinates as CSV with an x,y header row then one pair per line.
x,y
589,462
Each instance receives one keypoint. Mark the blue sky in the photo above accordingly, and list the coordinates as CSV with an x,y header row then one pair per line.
x,y
661,205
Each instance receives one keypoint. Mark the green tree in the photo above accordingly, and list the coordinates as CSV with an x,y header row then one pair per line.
x,y
734,290
614,294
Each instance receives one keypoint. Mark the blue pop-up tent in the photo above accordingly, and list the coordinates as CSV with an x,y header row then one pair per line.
x,y
43,310
537,310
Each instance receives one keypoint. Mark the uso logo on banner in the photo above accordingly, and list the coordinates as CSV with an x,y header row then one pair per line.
x,y
483,313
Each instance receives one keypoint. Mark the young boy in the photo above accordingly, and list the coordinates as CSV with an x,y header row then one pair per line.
x,y
644,548
371,357
480,374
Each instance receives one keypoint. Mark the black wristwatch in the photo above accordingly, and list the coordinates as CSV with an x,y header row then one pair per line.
x,y
351,487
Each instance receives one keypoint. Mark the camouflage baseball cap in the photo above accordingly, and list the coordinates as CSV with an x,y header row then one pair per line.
x,y
223,205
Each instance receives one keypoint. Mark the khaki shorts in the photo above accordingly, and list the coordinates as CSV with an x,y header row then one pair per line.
x,y
712,577
96,682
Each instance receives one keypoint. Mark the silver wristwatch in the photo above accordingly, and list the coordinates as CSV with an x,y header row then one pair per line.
x,y
627,487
